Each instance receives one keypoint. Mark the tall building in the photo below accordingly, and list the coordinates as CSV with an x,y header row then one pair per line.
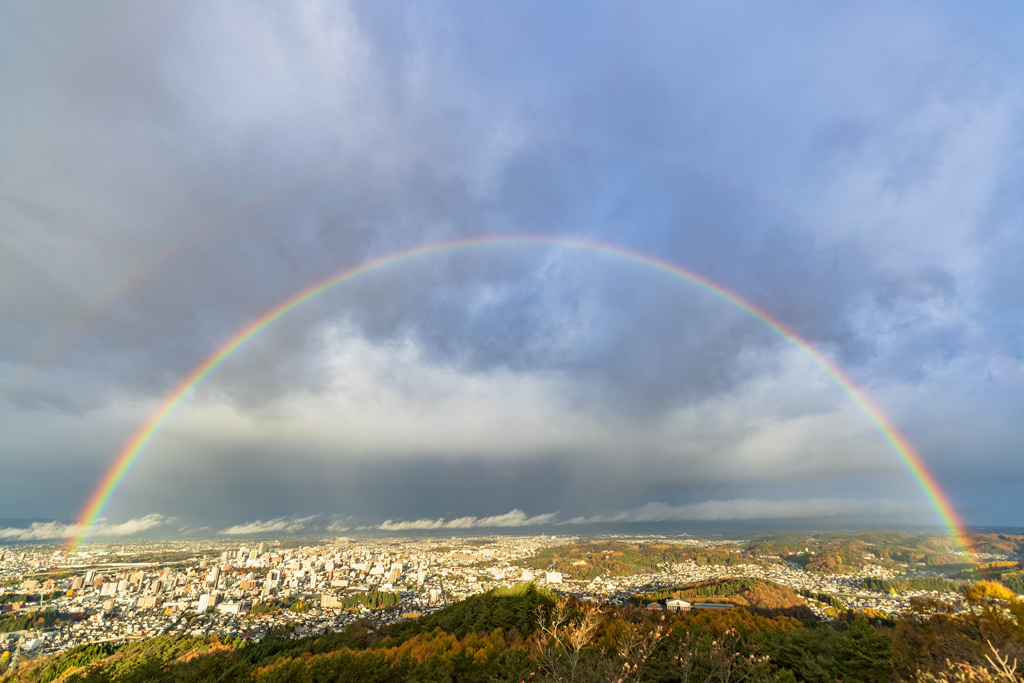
x,y
328,601
214,577
206,601
262,549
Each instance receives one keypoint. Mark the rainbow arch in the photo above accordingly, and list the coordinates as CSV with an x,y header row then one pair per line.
x,y
129,454
22,372
131,278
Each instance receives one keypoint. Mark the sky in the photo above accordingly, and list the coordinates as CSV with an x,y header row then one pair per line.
x,y
169,172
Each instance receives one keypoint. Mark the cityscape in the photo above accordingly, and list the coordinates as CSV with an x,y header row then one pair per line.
x,y
308,587
515,341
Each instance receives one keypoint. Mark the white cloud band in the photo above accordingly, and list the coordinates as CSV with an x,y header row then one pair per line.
x,y
45,531
280,524
513,518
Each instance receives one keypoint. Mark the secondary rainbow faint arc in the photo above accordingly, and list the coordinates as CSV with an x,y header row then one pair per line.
x,y
113,478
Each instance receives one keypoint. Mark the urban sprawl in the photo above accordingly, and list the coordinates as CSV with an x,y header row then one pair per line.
x,y
247,591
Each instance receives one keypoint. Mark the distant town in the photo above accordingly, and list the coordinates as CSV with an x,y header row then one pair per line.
x,y
249,590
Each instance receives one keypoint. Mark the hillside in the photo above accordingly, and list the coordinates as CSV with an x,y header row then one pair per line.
x,y
589,560
526,634
838,553
823,553
758,595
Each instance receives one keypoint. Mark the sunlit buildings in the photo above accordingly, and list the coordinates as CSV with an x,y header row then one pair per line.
x,y
214,577
206,601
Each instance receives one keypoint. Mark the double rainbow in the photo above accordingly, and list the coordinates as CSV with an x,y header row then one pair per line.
x,y
114,477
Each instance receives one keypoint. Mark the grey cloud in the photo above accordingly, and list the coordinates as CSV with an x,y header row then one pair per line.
x,y
369,203
172,171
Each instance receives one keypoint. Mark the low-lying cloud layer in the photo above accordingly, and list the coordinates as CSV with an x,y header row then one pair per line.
x,y
710,510
513,518
282,525
753,509
48,531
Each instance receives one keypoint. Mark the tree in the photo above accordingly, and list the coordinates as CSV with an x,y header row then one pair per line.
x,y
719,660
635,646
562,640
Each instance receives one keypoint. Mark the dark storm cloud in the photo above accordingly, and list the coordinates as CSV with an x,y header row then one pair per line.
x,y
828,164
259,257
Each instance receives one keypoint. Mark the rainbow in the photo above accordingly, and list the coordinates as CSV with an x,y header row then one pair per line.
x,y
23,371
130,279
114,477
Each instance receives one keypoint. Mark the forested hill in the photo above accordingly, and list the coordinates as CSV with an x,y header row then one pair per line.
x,y
832,553
759,595
823,553
589,560
525,634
